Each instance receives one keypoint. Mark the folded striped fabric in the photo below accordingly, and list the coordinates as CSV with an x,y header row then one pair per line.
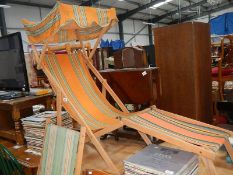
x,y
59,152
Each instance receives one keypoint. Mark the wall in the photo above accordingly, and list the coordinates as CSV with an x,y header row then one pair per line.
x,y
16,13
131,27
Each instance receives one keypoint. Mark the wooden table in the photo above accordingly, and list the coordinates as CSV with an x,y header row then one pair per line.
x,y
134,85
11,111
94,172
137,86
29,161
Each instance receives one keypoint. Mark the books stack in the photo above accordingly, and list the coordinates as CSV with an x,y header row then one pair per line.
x,y
159,160
34,127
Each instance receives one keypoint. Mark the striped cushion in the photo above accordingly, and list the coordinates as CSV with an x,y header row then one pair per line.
x,y
168,124
59,152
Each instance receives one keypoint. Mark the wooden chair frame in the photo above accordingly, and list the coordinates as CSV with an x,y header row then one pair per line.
x,y
61,95
220,78
62,101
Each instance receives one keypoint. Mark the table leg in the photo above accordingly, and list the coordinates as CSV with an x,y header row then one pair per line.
x,y
18,128
27,171
48,104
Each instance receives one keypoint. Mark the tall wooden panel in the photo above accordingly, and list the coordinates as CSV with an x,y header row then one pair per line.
x,y
183,56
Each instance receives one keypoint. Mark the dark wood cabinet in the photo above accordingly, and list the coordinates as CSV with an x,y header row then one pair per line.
x,y
183,56
130,57
100,56
134,85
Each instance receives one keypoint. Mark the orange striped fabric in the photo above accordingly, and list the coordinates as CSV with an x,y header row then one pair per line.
x,y
73,76
69,23
64,69
177,129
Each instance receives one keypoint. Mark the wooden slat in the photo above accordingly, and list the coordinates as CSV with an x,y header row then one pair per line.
x,y
79,157
104,89
98,40
145,138
102,152
59,107
209,166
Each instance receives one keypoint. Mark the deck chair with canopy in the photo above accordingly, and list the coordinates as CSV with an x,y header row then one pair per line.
x,y
68,66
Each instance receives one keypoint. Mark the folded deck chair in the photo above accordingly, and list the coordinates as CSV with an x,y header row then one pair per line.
x,y
68,69
62,151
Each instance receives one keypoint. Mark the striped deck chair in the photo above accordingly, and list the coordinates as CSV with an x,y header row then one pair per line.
x,y
62,151
89,106
68,69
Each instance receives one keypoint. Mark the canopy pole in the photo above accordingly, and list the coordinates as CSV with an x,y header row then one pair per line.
x,y
42,55
98,40
83,47
35,53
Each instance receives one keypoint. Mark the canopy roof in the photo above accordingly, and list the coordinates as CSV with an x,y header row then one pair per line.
x,y
69,23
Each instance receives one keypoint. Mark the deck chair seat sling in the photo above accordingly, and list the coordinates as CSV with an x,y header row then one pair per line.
x,y
68,69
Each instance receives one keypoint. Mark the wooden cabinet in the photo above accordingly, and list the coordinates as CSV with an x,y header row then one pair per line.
x,y
183,56
100,56
130,57
11,111
134,85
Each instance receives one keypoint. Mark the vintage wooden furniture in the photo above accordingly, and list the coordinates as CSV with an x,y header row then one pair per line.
x,y
100,56
69,75
11,111
130,57
28,160
183,56
99,117
224,70
138,86
94,172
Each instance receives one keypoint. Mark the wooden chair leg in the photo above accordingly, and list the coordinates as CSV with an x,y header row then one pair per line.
x,y
59,108
229,149
27,171
103,153
221,89
79,157
145,138
210,168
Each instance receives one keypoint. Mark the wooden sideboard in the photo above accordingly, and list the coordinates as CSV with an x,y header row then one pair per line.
x,y
183,56
134,85
11,111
